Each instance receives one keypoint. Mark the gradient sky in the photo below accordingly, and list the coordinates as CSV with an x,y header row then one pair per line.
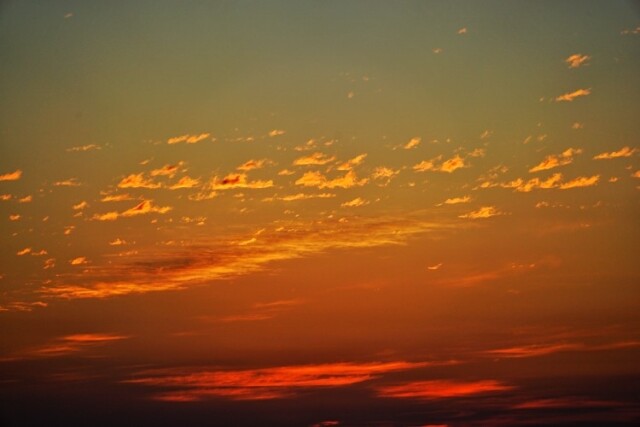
x,y
319,213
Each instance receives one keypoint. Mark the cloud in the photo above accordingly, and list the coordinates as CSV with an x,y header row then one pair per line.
x,y
623,152
532,350
117,242
300,196
462,30
80,206
384,173
116,198
79,261
552,182
351,163
209,260
144,207
14,217
316,179
555,160
138,181
237,180
449,165
630,31
483,212
185,182
24,251
358,201
5,197
25,199
313,159
440,389
85,148
570,96
166,170
577,60
260,384
276,132
582,181
12,176
252,164
72,182
189,139
63,346
413,143
23,306
457,200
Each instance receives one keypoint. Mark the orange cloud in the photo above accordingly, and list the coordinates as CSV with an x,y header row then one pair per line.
x,y
137,181
237,180
189,139
117,242
85,148
358,201
483,212
23,306
316,179
532,350
116,198
276,132
166,170
577,60
439,389
462,30
80,206
12,176
66,345
185,182
144,207
14,217
449,165
582,181
72,182
384,173
300,196
623,152
79,261
313,159
413,143
24,251
553,161
570,96
252,164
25,199
457,200
351,163
267,383
5,197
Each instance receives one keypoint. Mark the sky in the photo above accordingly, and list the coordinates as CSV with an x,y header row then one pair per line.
x,y
320,213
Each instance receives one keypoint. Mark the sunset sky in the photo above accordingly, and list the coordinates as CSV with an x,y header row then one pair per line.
x,y
320,213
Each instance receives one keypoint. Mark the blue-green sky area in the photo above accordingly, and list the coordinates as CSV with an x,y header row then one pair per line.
x,y
217,212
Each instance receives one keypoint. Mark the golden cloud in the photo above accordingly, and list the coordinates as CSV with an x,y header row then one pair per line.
x,y
483,212
413,143
351,163
583,181
144,207
189,139
358,201
85,148
12,176
138,181
570,96
555,160
577,60
317,179
185,182
313,159
623,152
449,165
252,164
237,180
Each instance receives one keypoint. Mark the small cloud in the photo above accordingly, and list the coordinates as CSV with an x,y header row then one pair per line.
x,y
383,172
483,212
5,197
486,134
434,267
116,198
142,208
79,261
358,201
437,50
166,170
623,152
285,172
12,176
457,200
425,165
449,165
462,30
577,125
313,159
582,181
553,161
577,60
350,95
276,132
237,180
351,163
117,242
309,145
72,182
137,181
25,199
49,263
631,31
188,139
636,174
252,164
80,206
85,148
413,143
570,96
452,164
24,251
300,196
316,179
14,217
185,182
440,389
68,15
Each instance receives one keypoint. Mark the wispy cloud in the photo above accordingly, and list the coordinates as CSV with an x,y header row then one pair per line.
x,y
582,181
300,196
450,165
623,152
351,163
483,212
317,179
413,143
358,201
441,389
167,170
185,182
138,181
577,60
116,198
316,158
66,345
11,176
276,132
144,207
555,160
71,182
260,384
457,200
189,139
253,164
570,96
88,147
237,180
